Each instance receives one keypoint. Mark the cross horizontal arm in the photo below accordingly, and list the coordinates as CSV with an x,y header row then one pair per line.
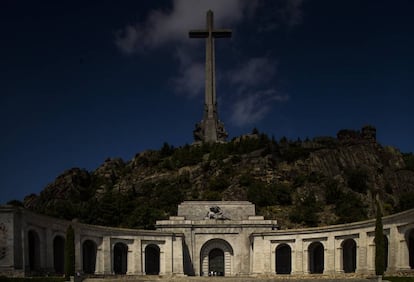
x,y
221,33
217,33
199,33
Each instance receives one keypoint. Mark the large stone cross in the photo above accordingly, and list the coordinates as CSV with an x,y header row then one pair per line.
x,y
210,129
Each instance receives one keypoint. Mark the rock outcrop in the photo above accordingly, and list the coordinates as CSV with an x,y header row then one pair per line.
x,y
279,177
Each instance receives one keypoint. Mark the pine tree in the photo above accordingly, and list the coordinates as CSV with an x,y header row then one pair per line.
x,y
379,243
70,252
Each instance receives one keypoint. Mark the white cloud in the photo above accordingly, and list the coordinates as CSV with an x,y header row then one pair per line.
x,y
253,81
253,107
162,27
191,79
286,14
253,72
256,93
292,13
127,39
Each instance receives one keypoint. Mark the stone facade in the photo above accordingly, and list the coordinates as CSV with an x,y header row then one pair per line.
x,y
229,232
205,238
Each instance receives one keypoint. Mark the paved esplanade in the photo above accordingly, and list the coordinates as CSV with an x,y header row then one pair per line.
x,y
210,129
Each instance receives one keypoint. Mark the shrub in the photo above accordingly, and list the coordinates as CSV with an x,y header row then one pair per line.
x,y
266,195
357,180
212,196
406,201
144,217
294,152
409,161
332,192
70,252
350,208
379,243
305,210
246,180
219,183
283,194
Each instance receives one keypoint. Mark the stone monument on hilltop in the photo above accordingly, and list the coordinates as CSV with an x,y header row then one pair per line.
x,y
210,129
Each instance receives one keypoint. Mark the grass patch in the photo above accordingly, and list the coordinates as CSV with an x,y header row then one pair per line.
x,y
399,279
31,279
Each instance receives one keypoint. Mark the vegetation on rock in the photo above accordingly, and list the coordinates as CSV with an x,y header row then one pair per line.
x,y
301,183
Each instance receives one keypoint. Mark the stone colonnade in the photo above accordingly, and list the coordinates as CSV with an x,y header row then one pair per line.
x,y
32,243
35,244
335,249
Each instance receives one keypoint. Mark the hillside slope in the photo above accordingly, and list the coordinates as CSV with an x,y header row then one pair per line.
x,y
301,183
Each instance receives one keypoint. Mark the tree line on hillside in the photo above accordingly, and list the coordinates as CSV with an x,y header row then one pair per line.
x,y
141,206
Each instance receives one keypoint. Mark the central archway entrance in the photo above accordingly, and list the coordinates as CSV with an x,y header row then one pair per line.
x,y
216,262
120,258
216,258
316,257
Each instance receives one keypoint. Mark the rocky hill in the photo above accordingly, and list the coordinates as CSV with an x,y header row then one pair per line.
x,y
315,182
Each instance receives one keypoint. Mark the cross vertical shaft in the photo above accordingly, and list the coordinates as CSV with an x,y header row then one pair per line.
x,y
210,90
210,129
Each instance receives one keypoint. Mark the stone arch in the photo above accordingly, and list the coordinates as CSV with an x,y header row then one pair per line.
x,y
89,249
152,260
316,257
120,258
410,243
59,254
34,250
283,259
210,246
349,255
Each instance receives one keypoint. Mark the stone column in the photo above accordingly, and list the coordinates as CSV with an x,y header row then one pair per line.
x,y
163,263
370,255
137,257
48,250
168,256
392,249
299,257
78,248
338,257
329,267
305,261
25,248
272,251
293,257
266,257
106,254
257,255
403,255
362,256
177,255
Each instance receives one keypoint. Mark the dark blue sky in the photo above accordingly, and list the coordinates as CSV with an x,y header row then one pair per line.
x,y
82,81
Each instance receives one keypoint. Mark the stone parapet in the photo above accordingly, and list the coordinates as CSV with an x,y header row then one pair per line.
x,y
234,210
265,225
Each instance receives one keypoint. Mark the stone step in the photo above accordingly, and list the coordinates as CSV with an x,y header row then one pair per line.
x,y
290,278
